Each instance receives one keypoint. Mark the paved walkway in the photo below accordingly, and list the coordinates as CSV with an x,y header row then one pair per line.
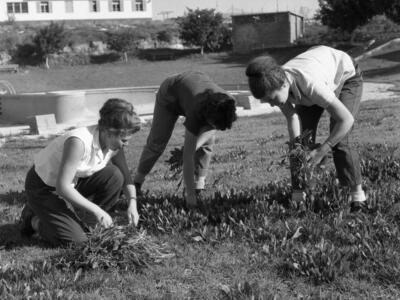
x,y
372,91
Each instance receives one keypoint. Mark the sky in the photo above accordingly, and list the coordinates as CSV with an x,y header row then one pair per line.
x,y
175,8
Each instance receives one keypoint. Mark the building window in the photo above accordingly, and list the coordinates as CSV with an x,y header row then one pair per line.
x,y
44,7
94,6
139,5
69,6
17,7
116,5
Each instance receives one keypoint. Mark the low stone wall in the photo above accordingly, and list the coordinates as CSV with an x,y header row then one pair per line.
x,y
76,105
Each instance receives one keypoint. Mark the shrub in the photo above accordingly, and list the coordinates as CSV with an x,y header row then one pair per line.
x,y
125,41
378,28
50,39
202,28
26,54
70,59
221,40
9,42
164,36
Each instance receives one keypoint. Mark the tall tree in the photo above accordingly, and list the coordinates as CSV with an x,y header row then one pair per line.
x,y
393,11
201,27
123,42
49,40
348,14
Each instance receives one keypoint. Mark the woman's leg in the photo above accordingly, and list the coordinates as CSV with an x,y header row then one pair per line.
x,y
202,162
161,130
103,187
58,223
346,159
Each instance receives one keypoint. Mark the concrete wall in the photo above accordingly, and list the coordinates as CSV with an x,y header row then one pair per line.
x,y
77,105
268,30
80,11
66,107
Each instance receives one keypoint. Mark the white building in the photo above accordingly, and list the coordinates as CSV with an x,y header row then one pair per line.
x,y
58,10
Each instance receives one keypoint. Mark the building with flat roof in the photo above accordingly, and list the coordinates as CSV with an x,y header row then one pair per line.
x,y
71,10
265,30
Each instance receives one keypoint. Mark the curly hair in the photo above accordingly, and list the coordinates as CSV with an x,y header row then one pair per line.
x,y
264,75
220,108
119,114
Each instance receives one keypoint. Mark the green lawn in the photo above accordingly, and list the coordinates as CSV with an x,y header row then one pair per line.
x,y
224,68
240,246
249,241
134,73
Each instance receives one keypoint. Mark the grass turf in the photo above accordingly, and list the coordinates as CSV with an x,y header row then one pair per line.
x,y
250,251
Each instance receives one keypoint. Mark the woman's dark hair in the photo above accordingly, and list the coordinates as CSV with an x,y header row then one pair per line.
x,y
220,108
119,114
264,75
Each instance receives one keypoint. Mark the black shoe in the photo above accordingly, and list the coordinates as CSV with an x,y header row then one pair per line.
x,y
358,206
198,192
138,187
25,222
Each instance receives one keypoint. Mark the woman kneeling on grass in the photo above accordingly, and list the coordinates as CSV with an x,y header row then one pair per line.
x,y
74,173
206,108
319,79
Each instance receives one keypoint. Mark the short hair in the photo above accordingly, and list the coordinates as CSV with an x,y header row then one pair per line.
x,y
220,108
119,114
264,75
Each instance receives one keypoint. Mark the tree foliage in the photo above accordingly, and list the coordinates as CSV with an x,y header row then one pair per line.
x,y
165,36
203,28
49,40
125,41
349,14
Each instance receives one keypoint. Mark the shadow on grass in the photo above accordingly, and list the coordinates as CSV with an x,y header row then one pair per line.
x,y
11,238
27,147
105,58
214,207
26,144
155,54
392,56
382,71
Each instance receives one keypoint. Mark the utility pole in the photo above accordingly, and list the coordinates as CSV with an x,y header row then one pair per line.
x,y
165,13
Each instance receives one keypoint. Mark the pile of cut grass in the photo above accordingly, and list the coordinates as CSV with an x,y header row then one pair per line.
x,y
117,247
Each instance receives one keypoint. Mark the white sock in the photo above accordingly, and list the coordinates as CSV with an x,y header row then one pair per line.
x,y
358,196
200,182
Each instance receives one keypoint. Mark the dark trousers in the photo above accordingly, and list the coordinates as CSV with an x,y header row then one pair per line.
x,y
345,158
59,223
164,120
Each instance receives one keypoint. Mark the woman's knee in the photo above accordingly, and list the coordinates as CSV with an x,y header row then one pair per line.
x,y
156,148
116,178
63,234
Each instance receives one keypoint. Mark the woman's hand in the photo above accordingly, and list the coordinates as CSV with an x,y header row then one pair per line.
x,y
132,213
315,157
104,218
